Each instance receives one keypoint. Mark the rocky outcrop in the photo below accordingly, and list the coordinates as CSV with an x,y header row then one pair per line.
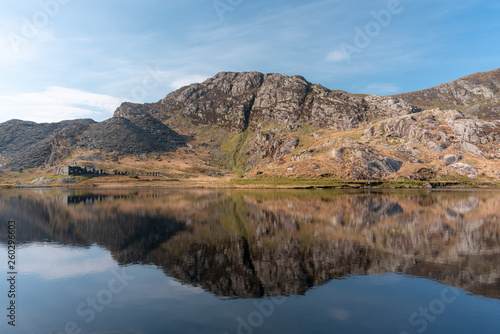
x,y
32,145
465,169
136,134
236,101
388,165
474,131
422,127
477,94
451,159
436,130
268,144
282,147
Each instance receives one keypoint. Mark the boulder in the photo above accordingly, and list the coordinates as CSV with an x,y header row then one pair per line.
x,y
302,155
450,159
465,169
471,148
66,180
388,165
434,147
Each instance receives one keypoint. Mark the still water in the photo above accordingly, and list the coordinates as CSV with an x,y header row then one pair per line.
x,y
219,261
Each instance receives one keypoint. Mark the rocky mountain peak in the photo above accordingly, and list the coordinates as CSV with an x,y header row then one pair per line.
x,y
238,100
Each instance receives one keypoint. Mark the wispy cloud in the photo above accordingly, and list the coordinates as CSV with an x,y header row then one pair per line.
x,y
188,42
337,56
55,104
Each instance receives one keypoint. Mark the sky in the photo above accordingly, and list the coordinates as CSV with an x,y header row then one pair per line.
x,y
67,59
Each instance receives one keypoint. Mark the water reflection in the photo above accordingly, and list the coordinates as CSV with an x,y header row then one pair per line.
x,y
251,244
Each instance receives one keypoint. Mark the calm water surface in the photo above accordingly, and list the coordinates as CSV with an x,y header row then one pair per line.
x,y
205,261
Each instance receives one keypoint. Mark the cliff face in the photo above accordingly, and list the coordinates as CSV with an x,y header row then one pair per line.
x,y
239,100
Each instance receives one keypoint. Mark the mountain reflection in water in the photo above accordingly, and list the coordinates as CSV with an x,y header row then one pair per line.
x,y
250,244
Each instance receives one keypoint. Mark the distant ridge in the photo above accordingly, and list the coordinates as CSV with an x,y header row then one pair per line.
x,y
476,94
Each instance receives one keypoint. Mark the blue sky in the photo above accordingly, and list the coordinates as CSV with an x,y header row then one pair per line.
x,y
65,59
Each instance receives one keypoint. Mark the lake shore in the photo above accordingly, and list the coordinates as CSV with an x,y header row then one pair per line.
x,y
257,183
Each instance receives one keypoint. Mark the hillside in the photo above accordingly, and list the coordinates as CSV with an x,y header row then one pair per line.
x,y
476,95
273,126
31,145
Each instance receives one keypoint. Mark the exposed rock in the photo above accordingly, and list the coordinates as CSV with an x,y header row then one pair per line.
x,y
383,106
336,153
474,131
280,99
451,159
31,145
66,180
262,143
314,166
387,165
404,127
267,107
434,147
266,144
393,164
471,148
136,134
236,101
465,169
42,181
302,155
478,94
282,147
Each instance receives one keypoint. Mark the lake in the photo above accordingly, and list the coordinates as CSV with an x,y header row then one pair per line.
x,y
266,261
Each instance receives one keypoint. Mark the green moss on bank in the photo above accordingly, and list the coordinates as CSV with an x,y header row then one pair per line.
x,y
347,184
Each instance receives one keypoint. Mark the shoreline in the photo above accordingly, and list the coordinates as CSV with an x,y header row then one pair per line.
x,y
264,183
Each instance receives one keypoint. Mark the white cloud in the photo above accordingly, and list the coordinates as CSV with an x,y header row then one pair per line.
x,y
56,104
187,80
54,262
337,56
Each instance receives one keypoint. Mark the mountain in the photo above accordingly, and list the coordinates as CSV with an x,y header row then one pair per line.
x,y
236,101
28,145
258,125
476,95
32,145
